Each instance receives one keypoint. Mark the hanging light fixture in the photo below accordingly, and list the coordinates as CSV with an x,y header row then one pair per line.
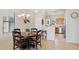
x,y
25,17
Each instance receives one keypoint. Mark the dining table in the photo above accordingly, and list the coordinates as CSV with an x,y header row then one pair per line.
x,y
28,37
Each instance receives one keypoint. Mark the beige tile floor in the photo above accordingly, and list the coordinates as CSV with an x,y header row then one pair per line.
x,y
6,44
58,44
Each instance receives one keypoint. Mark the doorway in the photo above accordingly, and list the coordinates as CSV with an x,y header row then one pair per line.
x,y
60,30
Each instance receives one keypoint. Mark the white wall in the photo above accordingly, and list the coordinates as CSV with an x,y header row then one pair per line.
x,y
1,24
72,27
38,19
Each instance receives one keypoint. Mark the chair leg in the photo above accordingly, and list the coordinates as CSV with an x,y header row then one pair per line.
x,y
36,46
28,45
40,45
13,46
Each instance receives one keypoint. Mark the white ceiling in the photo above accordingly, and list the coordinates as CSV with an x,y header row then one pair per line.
x,y
33,11
46,11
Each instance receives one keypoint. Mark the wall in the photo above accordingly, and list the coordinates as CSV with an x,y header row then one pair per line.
x,y
1,23
38,19
72,27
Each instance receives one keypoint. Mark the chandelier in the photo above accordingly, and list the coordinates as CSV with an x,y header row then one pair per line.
x,y
25,17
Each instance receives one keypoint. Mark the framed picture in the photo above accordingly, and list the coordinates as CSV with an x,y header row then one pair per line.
x,y
52,22
49,21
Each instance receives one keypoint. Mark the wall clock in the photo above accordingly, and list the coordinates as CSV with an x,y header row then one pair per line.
x,y
74,15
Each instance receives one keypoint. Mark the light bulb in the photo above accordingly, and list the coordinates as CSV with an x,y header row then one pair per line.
x,y
22,14
27,15
19,15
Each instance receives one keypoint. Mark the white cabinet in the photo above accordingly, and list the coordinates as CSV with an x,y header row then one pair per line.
x,y
50,33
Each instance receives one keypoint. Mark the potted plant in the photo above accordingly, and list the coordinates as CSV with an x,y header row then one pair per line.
x,y
27,31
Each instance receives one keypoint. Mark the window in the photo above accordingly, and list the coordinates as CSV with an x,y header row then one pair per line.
x,y
8,24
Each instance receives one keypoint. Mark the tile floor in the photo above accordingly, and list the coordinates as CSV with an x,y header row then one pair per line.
x,y
59,44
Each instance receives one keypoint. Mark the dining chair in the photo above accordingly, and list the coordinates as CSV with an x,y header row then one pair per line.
x,y
33,29
19,41
17,30
36,40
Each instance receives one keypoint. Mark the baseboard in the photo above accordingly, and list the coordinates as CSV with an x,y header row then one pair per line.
x,y
72,41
